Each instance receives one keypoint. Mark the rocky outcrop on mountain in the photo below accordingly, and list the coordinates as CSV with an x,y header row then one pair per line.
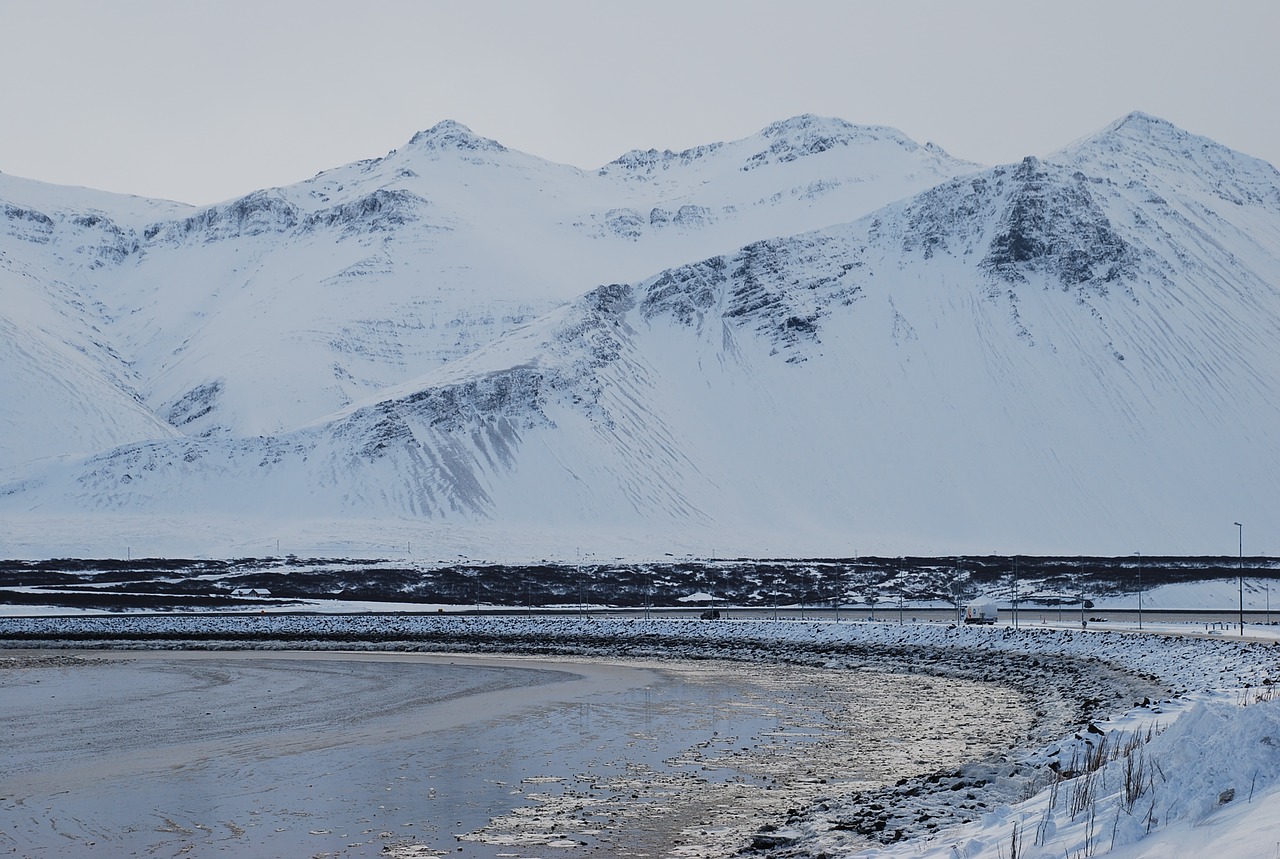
x,y
451,135
102,240
194,404
27,225
1053,224
380,211
252,215
1028,218
640,163
780,290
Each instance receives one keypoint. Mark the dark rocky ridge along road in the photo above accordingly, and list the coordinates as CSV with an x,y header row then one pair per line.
x,y
160,584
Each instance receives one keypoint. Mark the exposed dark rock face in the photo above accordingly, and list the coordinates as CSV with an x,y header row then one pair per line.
x,y
688,293
103,240
195,404
780,289
380,211
252,215
1053,224
27,224
515,394
643,163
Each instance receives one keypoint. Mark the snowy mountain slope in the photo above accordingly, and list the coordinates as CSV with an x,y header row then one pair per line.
x,y
64,389
82,411
810,171
1034,357
262,313
61,202
1075,354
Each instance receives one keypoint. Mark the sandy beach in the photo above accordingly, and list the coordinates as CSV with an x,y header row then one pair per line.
x,y
190,753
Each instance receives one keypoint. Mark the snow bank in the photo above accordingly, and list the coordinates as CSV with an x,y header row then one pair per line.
x,y
1213,777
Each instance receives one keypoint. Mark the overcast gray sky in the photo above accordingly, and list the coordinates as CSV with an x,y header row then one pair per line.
x,y
202,102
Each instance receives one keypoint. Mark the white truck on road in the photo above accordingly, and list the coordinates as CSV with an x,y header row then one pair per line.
x,y
981,611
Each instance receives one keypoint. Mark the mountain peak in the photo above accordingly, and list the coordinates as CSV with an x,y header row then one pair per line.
x,y
783,141
808,134
1133,128
811,126
1137,125
1143,145
1139,119
808,123
451,134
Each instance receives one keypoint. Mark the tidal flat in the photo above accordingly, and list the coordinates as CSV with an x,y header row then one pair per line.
x,y
343,754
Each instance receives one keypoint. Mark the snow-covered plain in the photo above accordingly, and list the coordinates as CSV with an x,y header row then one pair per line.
x,y
1183,729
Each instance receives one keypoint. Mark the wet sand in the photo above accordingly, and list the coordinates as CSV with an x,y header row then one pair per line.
x,y
406,754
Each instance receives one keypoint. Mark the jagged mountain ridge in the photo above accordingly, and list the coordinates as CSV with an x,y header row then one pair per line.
x,y
373,273
1036,355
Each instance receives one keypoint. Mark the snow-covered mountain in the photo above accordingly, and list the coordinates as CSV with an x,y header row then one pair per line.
x,y
852,342
265,312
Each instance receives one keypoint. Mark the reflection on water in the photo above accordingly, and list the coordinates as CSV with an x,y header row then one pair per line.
x,y
351,757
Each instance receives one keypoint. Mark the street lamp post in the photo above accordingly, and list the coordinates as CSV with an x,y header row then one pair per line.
x,y
955,598
1015,591
1139,554
1082,620
1240,534
648,591
582,593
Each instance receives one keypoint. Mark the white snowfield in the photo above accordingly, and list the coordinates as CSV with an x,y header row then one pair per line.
x,y
852,343
1192,771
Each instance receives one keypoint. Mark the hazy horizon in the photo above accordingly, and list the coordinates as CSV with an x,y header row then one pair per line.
x,y
202,104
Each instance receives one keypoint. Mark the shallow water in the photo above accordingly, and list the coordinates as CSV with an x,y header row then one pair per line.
x,y
181,754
